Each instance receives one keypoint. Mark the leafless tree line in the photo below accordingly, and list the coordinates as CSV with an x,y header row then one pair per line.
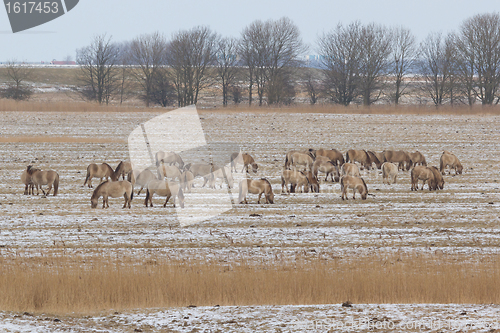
x,y
361,64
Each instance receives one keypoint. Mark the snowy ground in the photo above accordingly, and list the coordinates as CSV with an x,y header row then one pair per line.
x,y
463,218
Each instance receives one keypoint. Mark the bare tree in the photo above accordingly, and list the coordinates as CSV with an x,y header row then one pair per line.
x,y
98,77
478,48
404,56
436,67
18,78
341,58
226,63
312,82
191,53
148,53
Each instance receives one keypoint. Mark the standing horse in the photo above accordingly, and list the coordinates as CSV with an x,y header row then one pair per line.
x,y
350,169
143,179
255,186
164,188
99,171
29,186
449,159
438,178
424,174
123,169
187,179
356,183
169,158
288,157
400,157
333,154
219,173
417,158
296,179
301,159
244,159
203,170
313,182
389,172
374,159
114,190
169,171
327,167
361,156
40,178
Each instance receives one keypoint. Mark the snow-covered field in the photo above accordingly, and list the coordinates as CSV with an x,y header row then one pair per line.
x,y
461,219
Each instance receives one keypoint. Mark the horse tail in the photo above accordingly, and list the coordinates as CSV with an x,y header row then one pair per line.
x,y
286,161
88,176
147,197
132,193
56,184
347,156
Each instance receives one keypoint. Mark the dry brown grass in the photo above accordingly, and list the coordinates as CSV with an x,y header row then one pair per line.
x,y
57,139
74,106
69,284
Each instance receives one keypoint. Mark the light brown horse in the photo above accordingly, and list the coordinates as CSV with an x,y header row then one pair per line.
x,y
334,155
313,182
164,188
439,180
114,190
361,156
99,171
380,156
244,159
424,174
356,183
374,159
417,158
288,156
400,157
187,179
169,171
255,186
143,179
389,173
202,170
350,169
169,158
40,178
298,158
29,186
327,167
123,169
450,160
296,179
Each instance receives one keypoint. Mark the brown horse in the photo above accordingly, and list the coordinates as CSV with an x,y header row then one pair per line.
x,y
296,179
169,171
333,154
450,160
356,183
123,169
360,156
114,190
374,159
350,169
389,172
143,179
40,178
327,167
288,156
255,186
439,180
99,171
417,158
424,174
203,170
244,159
313,182
400,157
29,186
169,158
164,188
380,157
298,158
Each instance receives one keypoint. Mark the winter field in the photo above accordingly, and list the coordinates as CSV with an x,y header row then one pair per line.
x,y
390,255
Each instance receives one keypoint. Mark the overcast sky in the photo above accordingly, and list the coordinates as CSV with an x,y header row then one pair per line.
x,y
126,19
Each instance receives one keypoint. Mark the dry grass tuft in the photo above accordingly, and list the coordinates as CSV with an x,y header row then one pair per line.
x,y
70,284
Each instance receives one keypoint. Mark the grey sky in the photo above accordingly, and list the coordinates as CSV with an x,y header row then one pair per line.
x,y
125,19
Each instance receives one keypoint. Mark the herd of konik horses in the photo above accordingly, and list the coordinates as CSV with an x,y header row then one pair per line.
x,y
173,177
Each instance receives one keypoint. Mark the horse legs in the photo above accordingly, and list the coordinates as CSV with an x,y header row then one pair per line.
x,y
258,200
165,204
49,189
354,192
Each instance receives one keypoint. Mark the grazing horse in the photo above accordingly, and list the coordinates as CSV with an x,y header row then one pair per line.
x,y
374,159
296,179
334,155
164,188
350,169
26,180
203,170
255,186
439,180
389,172
244,159
313,182
449,159
219,173
169,158
123,169
169,171
356,183
361,156
288,157
400,157
380,157
301,159
417,158
114,190
187,179
327,167
40,178
143,179
99,171
424,174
